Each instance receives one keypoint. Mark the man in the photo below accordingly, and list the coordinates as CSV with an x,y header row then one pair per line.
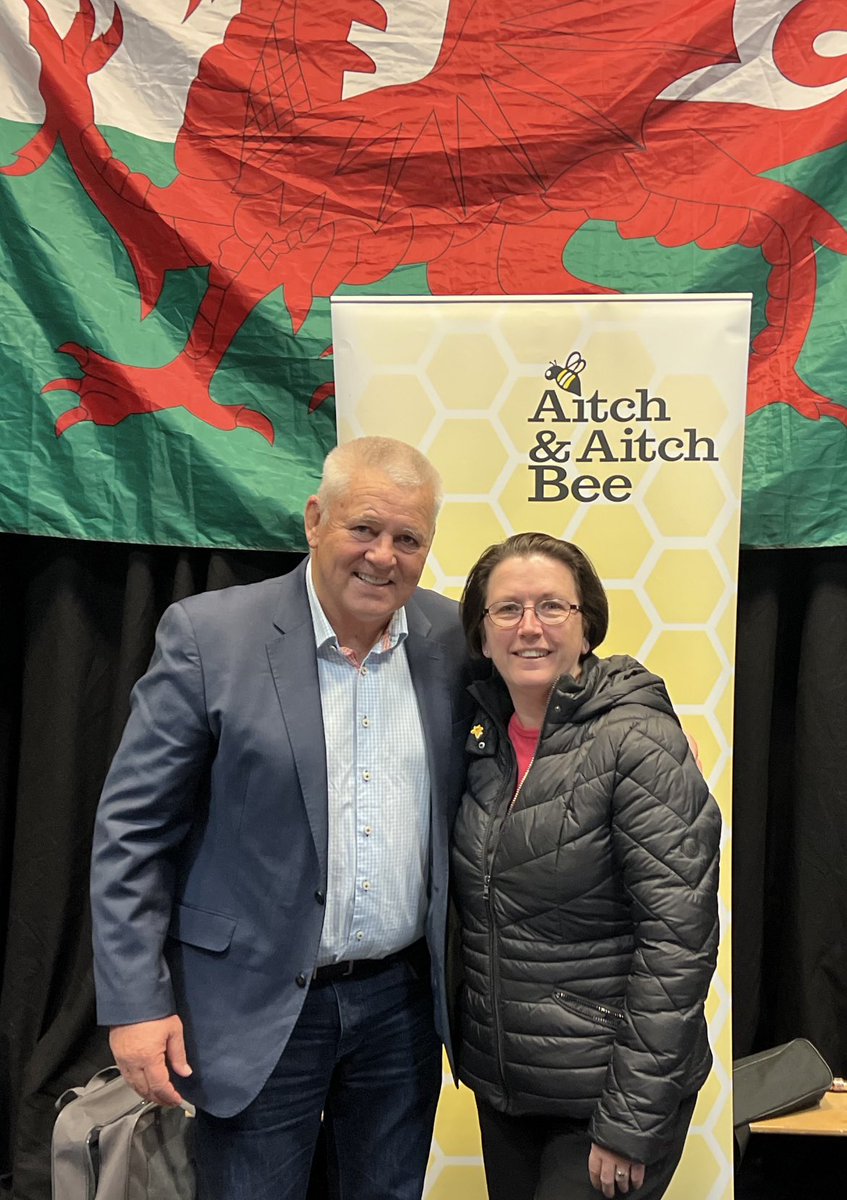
x,y
269,875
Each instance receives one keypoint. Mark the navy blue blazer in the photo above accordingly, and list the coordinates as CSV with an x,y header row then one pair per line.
x,y
210,844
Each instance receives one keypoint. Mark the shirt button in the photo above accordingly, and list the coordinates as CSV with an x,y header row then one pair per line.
x,y
367,831
365,722
300,980
364,670
359,936
367,885
320,897
366,776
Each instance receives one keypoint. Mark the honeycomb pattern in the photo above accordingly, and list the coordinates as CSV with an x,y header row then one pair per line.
x,y
466,370
470,456
399,406
477,392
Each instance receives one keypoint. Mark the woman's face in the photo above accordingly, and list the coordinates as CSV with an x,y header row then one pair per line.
x,y
531,656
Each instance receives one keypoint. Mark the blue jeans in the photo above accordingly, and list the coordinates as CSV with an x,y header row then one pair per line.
x,y
364,1055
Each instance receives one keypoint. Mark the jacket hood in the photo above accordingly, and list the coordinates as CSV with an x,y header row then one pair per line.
x,y
603,684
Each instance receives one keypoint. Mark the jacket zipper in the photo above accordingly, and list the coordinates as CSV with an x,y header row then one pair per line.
x,y
488,853
488,860
609,1016
520,785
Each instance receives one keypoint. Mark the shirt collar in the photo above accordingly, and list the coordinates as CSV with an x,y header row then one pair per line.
x,y
395,632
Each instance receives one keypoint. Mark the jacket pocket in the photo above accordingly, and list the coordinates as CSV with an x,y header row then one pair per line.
x,y
592,1010
200,927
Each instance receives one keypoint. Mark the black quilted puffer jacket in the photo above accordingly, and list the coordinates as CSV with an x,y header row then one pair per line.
x,y
589,910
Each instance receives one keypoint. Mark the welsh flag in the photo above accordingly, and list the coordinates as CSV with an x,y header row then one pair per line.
x,y
184,183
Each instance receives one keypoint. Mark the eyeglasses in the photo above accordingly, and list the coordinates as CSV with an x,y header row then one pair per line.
x,y
508,613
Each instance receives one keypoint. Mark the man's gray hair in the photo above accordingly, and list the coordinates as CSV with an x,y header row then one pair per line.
x,y
400,462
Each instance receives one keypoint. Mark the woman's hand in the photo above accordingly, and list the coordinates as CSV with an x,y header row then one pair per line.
x,y
608,1171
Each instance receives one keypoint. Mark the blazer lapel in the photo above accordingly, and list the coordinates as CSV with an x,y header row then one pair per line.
x,y
294,667
427,668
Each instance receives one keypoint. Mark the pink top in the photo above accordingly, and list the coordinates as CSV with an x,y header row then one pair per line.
x,y
525,742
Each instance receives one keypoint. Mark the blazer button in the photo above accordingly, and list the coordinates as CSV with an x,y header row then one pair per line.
x,y
300,980
320,897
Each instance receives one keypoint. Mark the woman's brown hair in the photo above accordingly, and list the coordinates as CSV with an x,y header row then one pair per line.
x,y
592,594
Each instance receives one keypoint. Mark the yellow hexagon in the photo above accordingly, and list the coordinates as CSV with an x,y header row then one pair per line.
x,y
458,1182
629,624
723,706
400,336
456,1124
685,499
725,629
728,544
428,577
732,457
722,1038
685,586
525,515
722,788
616,539
395,406
529,338
467,370
464,531
688,663
695,401
469,454
697,1173
715,1000
617,361
712,1096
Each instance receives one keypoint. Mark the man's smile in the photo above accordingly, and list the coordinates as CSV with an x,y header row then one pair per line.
x,y
374,580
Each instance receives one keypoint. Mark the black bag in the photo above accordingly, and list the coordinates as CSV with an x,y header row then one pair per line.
x,y
777,1081
109,1144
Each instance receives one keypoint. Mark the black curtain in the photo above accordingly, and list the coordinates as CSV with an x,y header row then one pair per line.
x,y
77,621
76,630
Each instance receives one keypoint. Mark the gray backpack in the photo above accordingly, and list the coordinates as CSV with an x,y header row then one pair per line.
x,y
109,1144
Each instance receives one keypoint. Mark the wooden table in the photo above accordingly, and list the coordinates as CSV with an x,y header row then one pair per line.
x,y
829,1119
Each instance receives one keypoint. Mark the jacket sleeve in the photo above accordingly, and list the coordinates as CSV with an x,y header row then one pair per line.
x,y
145,811
666,843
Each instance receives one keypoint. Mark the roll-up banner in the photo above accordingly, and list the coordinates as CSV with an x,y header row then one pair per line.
x,y
616,423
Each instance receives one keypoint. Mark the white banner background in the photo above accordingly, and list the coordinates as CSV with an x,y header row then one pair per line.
x,y
617,423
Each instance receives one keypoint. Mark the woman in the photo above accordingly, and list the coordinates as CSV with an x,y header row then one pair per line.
x,y
586,869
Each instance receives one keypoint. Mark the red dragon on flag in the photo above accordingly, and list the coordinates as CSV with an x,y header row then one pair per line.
x,y
535,119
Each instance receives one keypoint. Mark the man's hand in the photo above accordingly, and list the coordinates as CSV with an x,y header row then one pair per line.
x,y
144,1052
609,1171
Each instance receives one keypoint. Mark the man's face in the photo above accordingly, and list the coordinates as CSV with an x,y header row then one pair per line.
x,y
368,552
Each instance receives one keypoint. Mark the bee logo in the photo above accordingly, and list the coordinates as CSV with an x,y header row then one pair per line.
x,y
567,377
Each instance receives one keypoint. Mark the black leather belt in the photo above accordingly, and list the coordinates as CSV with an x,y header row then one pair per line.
x,y
361,968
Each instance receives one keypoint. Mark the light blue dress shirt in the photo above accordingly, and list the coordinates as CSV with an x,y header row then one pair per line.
x,y
378,794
